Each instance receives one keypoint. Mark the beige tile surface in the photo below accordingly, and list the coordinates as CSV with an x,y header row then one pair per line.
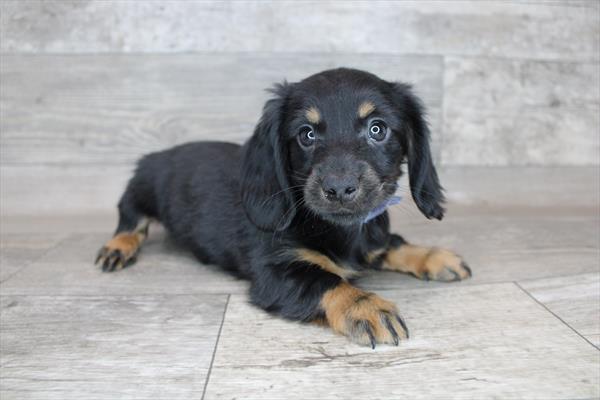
x,y
112,347
574,299
484,342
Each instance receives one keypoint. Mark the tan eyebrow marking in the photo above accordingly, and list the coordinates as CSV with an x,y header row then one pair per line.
x,y
312,115
365,109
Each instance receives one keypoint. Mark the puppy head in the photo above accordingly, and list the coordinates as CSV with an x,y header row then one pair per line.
x,y
334,143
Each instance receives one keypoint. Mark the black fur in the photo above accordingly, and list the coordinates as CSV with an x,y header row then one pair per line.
x,y
249,208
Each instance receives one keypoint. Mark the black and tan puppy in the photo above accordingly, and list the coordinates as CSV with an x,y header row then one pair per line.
x,y
299,210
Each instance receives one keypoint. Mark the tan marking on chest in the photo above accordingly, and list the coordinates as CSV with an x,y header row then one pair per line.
x,y
324,262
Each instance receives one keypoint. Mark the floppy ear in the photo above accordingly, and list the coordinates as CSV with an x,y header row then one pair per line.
x,y
424,184
264,183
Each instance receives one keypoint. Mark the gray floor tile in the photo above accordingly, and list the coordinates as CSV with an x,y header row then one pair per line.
x,y
502,248
162,268
574,299
498,248
489,341
18,250
116,347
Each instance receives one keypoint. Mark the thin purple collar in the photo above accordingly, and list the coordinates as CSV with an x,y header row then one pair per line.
x,y
380,209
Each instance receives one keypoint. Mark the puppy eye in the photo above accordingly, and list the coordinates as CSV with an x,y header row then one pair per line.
x,y
378,130
306,136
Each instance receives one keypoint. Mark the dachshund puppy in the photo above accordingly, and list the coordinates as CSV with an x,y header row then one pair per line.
x,y
299,210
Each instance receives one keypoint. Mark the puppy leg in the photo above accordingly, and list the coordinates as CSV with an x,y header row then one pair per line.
x,y
304,291
425,262
120,251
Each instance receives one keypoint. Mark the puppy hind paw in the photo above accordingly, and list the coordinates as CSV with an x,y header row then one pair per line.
x,y
119,252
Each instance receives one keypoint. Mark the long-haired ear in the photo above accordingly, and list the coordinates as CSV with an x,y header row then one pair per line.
x,y
264,183
424,184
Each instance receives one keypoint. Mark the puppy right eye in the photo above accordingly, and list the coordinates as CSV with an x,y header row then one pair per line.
x,y
306,136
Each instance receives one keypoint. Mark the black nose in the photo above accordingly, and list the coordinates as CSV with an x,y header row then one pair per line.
x,y
342,189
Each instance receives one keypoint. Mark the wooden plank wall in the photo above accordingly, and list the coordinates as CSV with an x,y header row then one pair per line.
x,y
89,86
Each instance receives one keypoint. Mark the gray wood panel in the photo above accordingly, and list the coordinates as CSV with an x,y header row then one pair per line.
x,y
490,341
106,109
501,248
574,299
515,112
62,189
125,347
95,190
498,249
162,268
18,250
541,30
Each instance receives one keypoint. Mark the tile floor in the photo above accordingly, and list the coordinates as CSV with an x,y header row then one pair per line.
x,y
527,326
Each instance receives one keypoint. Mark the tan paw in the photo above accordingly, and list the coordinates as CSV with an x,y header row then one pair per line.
x,y
364,317
443,265
427,263
120,251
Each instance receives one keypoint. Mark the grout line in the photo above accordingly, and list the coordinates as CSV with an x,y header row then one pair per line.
x,y
215,350
551,312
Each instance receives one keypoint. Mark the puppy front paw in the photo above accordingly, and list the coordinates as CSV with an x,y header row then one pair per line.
x,y
427,263
444,265
364,317
119,252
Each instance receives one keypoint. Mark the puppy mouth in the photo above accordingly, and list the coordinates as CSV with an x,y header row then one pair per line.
x,y
343,218
356,212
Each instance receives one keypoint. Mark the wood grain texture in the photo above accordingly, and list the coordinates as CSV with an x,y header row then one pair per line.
x,y
18,250
490,341
500,248
532,29
574,299
161,268
497,248
134,347
95,190
107,109
520,112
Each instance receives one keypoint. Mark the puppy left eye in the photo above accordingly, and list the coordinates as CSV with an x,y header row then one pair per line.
x,y
306,136
378,130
